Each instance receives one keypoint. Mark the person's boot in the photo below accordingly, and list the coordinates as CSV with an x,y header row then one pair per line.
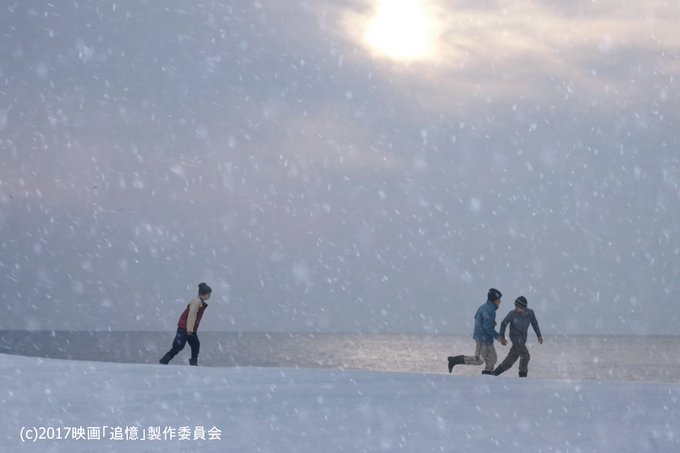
x,y
487,371
455,360
193,362
165,359
523,374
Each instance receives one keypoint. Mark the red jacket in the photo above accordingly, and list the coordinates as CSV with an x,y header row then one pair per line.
x,y
191,317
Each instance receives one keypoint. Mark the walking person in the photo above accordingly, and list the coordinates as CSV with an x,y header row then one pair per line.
x,y
187,326
519,321
484,335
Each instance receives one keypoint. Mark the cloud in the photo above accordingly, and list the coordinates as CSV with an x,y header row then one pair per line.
x,y
264,146
535,50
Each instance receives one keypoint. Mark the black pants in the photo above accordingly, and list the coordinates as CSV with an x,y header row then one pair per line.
x,y
181,339
518,351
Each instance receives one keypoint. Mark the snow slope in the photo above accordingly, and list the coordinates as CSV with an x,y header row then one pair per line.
x,y
305,410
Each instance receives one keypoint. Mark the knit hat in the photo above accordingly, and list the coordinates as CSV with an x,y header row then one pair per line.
x,y
521,302
494,295
204,289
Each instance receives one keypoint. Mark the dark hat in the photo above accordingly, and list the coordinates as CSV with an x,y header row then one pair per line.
x,y
494,295
203,289
521,302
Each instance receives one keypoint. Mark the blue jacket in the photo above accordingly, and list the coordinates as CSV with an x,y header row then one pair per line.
x,y
519,325
485,323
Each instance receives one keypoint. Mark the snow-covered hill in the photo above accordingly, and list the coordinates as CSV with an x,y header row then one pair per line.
x,y
113,407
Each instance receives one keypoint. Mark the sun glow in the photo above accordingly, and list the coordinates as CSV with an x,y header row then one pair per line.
x,y
402,30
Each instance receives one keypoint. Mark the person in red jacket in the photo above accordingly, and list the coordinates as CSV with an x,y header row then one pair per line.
x,y
187,326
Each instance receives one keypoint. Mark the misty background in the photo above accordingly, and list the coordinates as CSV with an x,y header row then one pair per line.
x,y
318,184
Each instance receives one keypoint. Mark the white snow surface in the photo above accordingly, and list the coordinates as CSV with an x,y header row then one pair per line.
x,y
315,410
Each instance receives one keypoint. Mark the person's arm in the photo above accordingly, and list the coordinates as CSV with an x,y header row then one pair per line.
x,y
505,323
489,325
193,311
534,324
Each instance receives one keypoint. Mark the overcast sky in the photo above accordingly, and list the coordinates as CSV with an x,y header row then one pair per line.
x,y
335,165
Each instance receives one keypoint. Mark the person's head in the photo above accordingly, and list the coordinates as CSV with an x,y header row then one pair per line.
x,y
204,291
521,304
494,296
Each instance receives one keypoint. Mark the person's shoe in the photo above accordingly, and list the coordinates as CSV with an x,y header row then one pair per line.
x,y
165,359
522,374
487,372
455,360
193,362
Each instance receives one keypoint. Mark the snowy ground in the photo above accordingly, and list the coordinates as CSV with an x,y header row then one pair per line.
x,y
112,407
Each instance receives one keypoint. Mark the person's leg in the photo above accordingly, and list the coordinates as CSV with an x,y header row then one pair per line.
x,y
177,345
195,347
524,358
490,357
478,358
508,362
466,359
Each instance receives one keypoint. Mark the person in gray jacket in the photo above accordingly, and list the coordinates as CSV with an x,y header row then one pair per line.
x,y
519,321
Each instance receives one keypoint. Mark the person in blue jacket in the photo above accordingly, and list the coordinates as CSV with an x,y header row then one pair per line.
x,y
484,335
519,321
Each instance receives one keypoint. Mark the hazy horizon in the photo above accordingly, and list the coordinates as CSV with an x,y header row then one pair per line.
x,y
327,332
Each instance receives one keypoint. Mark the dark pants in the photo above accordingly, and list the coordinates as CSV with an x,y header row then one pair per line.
x,y
518,351
181,339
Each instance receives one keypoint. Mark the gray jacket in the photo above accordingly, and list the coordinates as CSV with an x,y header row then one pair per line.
x,y
519,325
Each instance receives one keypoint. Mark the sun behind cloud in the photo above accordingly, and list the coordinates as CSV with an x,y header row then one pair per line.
x,y
401,30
